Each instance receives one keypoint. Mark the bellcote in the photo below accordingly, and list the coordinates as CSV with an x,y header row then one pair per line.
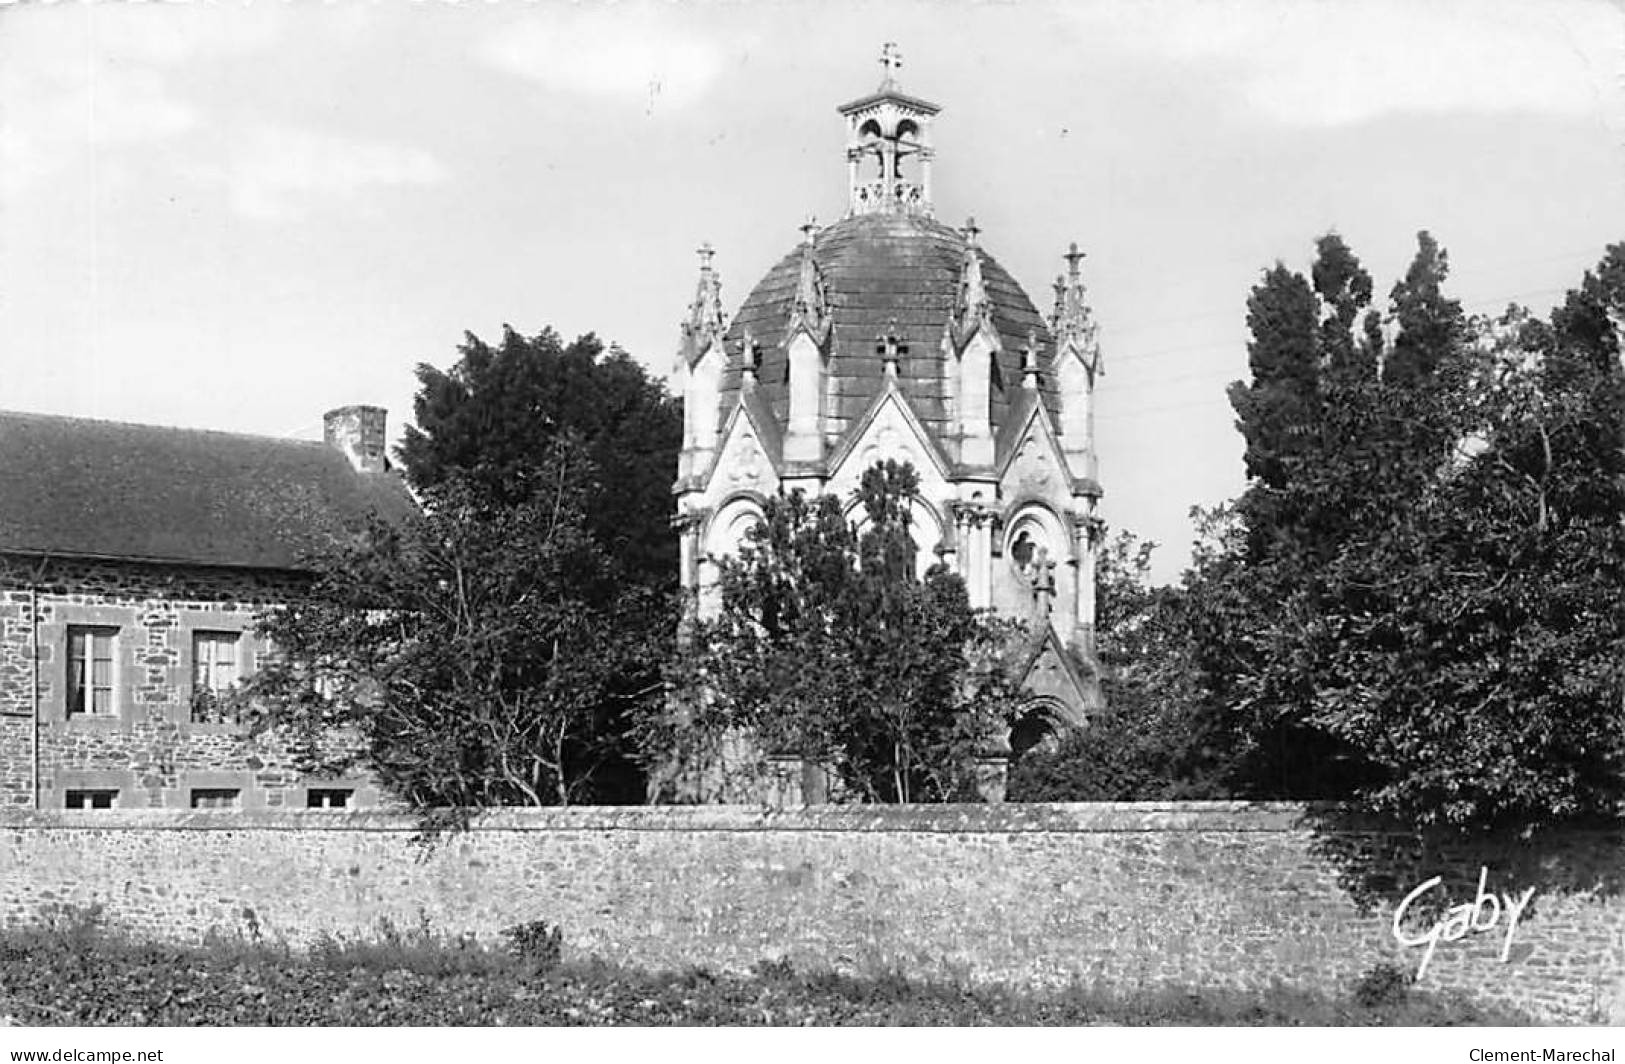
x,y
888,134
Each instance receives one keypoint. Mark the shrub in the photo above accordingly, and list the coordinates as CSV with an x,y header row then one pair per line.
x,y
536,941
1382,985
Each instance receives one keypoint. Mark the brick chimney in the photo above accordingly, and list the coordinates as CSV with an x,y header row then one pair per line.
x,y
359,432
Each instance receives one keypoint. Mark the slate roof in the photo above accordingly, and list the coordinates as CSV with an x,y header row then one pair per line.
x,y
72,487
876,267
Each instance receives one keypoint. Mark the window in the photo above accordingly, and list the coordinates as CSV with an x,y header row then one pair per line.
x,y
97,799
215,671
90,670
328,797
1021,551
215,797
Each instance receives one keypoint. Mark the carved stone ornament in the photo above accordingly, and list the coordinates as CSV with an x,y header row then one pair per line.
x,y
706,320
1072,323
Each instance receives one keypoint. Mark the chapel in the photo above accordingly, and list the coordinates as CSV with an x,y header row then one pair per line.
x,y
891,335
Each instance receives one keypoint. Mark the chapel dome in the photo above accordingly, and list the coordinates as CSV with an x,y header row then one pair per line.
x,y
886,273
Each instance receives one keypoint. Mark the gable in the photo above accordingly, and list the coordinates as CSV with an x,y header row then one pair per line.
x,y
1032,464
1051,675
889,430
743,463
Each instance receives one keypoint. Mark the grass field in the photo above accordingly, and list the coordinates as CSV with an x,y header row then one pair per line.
x,y
73,972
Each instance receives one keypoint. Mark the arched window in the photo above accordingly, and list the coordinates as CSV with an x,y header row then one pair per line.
x,y
924,528
1032,538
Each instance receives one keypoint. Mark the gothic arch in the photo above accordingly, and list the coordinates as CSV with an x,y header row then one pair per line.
x,y
1032,525
1041,721
734,516
925,527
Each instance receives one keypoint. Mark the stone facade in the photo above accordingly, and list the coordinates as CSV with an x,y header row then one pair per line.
x,y
134,562
890,336
1194,895
161,740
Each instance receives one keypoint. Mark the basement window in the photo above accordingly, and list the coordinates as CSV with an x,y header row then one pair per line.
x,y
328,797
215,797
90,799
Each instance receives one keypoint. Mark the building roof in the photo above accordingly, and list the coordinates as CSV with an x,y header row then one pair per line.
x,y
72,487
876,268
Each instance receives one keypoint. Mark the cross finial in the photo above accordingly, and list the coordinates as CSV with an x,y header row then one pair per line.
x,y
889,348
1073,256
1029,360
891,60
970,230
705,251
809,228
750,360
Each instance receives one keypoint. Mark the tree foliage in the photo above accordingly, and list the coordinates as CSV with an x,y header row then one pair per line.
x,y
484,653
829,647
1155,739
497,408
1422,605
491,651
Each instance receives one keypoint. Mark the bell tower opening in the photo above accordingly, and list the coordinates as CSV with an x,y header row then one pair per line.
x,y
888,147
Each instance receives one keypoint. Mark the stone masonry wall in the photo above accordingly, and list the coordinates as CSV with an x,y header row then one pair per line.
x,y
149,750
1191,895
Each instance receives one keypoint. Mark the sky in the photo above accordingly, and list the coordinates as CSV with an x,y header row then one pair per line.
x,y
236,216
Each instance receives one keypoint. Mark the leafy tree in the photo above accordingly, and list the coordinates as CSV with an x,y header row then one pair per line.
x,y
1275,411
1156,738
1431,326
1312,457
828,646
1452,651
1344,288
1488,684
484,654
498,408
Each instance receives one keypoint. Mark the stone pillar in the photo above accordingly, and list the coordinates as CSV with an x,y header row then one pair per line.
x,y
688,549
983,598
973,529
992,772
783,783
1086,529
803,438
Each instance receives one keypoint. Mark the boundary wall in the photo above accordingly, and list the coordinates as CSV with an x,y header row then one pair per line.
x,y
1207,894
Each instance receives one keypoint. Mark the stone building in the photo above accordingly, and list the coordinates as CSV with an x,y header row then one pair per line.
x,y
892,335
133,560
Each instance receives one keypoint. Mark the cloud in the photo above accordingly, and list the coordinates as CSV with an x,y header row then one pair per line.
x,y
1330,64
169,34
277,172
634,55
70,118
89,78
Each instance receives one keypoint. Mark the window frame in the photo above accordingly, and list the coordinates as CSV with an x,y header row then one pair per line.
x,y
69,794
235,795
201,683
73,634
348,793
